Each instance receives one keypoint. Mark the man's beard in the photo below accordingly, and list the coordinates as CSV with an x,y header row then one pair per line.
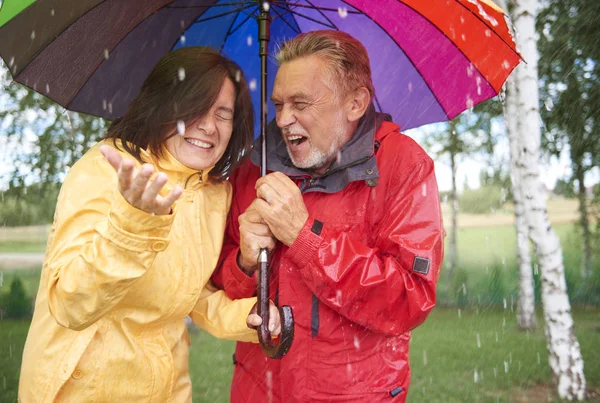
x,y
316,158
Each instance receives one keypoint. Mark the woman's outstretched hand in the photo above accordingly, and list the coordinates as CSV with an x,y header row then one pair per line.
x,y
137,188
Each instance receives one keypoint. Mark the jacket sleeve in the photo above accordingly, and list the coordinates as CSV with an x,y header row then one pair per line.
x,y
389,287
100,244
222,317
228,275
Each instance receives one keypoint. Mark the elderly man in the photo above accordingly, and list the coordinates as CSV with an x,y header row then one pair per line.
x,y
354,206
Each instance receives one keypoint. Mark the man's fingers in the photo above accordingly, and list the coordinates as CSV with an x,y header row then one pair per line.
x,y
280,181
251,216
268,193
255,229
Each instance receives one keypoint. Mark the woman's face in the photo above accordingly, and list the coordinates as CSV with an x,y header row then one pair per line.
x,y
202,143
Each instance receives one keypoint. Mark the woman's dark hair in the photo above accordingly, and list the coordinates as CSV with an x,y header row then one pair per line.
x,y
184,85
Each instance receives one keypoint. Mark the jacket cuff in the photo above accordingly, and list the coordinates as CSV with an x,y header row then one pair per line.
x,y
137,230
245,281
302,251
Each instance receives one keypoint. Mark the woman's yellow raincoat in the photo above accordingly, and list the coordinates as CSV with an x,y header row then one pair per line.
x,y
117,284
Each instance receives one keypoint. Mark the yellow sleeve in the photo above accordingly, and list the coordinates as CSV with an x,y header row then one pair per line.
x,y
222,317
100,244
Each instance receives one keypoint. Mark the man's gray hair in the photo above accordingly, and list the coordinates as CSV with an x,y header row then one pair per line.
x,y
348,66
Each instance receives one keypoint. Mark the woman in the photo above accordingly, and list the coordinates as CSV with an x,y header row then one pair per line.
x,y
137,233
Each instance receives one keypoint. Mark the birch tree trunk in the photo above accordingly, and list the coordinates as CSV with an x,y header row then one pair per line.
x,y
585,224
565,358
526,302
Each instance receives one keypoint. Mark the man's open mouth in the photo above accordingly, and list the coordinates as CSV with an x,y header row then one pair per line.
x,y
296,140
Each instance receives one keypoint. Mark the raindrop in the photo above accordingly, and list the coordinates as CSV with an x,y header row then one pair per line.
x,y
549,104
253,84
476,376
181,127
238,76
504,302
506,65
32,35
47,88
488,33
505,367
182,39
11,61
459,313
503,322
470,68
106,54
538,358
495,372
424,189
338,297
535,269
343,12
496,337
181,74
462,19
182,22
104,104
356,342
152,214
463,37
425,357
52,12
469,102
249,40
478,341
410,86
266,6
110,108
338,157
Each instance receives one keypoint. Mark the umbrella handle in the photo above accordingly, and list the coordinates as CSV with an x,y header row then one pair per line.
x,y
271,349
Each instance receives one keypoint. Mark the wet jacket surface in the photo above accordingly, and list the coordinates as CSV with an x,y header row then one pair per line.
x,y
116,285
361,274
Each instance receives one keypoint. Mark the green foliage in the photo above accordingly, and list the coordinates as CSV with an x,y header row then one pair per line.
x,y
42,139
496,285
28,205
486,199
18,305
564,188
459,288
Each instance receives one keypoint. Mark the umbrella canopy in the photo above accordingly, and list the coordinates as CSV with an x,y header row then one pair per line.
x,y
431,59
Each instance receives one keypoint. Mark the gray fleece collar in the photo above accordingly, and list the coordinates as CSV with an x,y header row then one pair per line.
x,y
356,163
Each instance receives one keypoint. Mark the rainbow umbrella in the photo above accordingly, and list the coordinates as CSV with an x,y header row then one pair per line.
x,y
430,59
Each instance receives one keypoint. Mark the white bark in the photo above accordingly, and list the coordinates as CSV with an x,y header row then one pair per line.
x,y
526,302
565,358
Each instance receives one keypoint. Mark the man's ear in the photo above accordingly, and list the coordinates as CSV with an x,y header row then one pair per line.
x,y
358,103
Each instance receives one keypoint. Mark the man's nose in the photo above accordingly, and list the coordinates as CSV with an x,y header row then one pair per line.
x,y
285,117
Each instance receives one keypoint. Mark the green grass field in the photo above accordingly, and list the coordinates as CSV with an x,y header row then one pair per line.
x,y
474,356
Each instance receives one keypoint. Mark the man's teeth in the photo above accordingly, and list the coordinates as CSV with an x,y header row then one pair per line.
x,y
199,143
292,138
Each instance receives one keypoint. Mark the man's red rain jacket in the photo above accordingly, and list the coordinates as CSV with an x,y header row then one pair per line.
x,y
361,275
